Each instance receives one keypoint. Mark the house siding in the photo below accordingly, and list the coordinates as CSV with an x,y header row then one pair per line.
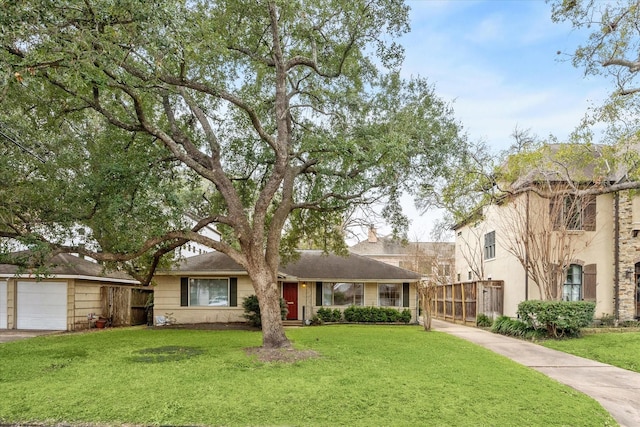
x,y
87,300
167,302
370,299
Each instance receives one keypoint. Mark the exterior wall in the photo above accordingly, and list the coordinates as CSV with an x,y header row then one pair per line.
x,y
87,301
629,254
11,303
3,304
83,298
166,301
590,247
370,299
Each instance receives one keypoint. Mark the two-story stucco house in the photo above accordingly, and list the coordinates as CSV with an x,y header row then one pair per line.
x,y
576,248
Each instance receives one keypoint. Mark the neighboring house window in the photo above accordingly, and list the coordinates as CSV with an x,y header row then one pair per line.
x,y
490,245
209,292
390,295
342,293
573,213
572,288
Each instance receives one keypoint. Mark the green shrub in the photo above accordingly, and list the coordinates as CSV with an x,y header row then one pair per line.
x,y
557,318
252,310
376,315
405,316
483,321
505,325
329,315
315,321
607,320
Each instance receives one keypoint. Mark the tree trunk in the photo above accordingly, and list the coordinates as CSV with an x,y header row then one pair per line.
x,y
426,312
273,335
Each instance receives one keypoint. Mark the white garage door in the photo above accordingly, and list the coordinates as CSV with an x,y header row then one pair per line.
x,y
42,305
3,304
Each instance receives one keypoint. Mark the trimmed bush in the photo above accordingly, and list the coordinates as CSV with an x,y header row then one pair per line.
x,y
558,318
328,315
252,310
376,315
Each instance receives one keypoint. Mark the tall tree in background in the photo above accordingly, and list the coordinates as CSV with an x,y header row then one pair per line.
x,y
269,119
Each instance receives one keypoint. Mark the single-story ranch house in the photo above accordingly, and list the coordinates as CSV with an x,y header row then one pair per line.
x,y
73,294
209,288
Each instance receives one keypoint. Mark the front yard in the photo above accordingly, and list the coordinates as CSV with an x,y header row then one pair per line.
x,y
365,375
617,347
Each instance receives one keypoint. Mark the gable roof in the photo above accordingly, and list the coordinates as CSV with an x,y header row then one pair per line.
x,y
69,266
314,265
310,266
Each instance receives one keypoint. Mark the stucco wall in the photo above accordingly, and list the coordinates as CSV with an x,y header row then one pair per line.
x,y
590,247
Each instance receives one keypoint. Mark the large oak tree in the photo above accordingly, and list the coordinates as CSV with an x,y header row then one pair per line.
x,y
269,119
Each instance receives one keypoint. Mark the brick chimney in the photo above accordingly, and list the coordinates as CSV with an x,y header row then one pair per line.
x,y
373,236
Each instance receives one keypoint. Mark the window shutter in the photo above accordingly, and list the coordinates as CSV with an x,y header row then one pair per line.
x,y
589,283
590,214
184,291
233,292
319,294
405,295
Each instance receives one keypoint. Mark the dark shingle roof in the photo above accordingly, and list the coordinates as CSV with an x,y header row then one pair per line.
x,y
69,265
317,265
311,265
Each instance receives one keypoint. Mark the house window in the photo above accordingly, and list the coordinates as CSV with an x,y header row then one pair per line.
x,y
571,212
572,288
390,295
342,294
209,292
490,245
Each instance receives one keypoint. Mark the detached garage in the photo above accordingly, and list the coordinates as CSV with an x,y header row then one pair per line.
x,y
75,292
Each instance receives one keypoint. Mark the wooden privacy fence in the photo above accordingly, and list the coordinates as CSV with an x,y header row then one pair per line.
x,y
124,305
462,302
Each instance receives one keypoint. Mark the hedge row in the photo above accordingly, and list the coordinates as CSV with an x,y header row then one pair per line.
x,y
364,315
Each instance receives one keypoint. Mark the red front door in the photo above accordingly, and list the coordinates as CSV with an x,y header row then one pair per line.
x,y
290,295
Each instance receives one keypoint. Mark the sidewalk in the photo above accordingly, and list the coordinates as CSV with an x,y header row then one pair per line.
x,y
616,389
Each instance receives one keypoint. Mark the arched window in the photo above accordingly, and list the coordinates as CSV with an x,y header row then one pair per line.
x,y
572,289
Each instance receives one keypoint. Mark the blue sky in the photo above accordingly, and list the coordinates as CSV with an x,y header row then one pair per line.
x,y
497,62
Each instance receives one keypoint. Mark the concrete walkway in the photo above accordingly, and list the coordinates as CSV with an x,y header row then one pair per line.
x,y
616,389
7,335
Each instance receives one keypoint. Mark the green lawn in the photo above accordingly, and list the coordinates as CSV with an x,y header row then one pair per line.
x,y
367,375
620,349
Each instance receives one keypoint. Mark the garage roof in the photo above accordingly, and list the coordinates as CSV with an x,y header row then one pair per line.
x,y
68,266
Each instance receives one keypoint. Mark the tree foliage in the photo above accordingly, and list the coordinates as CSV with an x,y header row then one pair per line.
x,y
270,119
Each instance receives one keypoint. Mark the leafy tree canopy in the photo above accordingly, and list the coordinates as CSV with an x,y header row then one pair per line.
x,y
269,119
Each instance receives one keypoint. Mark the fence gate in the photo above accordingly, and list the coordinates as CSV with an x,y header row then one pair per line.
x,y
462,302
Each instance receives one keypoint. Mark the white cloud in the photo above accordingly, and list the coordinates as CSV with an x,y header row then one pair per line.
x,y
497,60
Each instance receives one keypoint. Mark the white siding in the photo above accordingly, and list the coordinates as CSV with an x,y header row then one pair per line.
x,y
3,304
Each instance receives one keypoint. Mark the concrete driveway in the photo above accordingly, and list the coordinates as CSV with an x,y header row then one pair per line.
x,y
616,389
7,335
